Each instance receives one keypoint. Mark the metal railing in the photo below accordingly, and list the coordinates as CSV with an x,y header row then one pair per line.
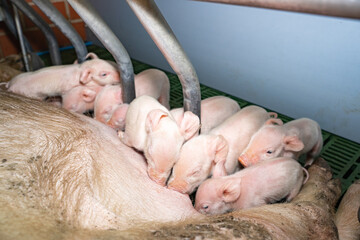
x,y
336,8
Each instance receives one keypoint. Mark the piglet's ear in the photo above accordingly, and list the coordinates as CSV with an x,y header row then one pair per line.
x,y
219,170
190,125
274,121
293,143
218,149
230,190
85,76
153,119
92,55
88,95
273,114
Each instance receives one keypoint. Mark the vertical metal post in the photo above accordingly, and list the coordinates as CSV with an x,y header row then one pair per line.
x,y
21,40
111,43
161,33
69,31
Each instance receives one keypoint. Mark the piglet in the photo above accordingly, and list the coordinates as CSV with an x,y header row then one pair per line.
x,y
297,137
117,120
150,128
155,83
57,80
216,153
266,182
214,110
81,98
106,102
151,82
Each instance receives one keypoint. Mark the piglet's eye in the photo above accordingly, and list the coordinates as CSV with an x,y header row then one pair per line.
x,y
194,173
205,206
103,74
269,152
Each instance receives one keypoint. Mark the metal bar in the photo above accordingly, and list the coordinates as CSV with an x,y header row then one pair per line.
x,y
336,8
10,24
40,23
69,31
2,15
111,43
21,40
161,33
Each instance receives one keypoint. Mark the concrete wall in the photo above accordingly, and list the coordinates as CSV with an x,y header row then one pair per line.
x,y
300,65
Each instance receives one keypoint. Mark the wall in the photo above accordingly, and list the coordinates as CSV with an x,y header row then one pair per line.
x,y
9,45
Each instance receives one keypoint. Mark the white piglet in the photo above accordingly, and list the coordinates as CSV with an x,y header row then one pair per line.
x,y
57,80
214,111
151,82
297,137
216,153
150,128
263,183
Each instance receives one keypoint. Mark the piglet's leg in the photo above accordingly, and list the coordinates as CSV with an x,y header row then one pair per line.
x,y
314,153
294,192
124,138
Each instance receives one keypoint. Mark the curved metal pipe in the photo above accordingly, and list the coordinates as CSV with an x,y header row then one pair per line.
x,y
111,43
69,31
40,23
161,33
336,8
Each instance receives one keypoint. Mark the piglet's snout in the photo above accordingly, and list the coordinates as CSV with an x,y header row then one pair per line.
x,y
248,158
180,186
157,177
244,160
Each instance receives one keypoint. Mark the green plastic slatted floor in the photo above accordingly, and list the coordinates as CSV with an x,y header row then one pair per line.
x,y
342,154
